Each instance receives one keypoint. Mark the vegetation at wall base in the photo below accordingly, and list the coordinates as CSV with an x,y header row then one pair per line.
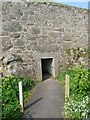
x,y
78,103
10,96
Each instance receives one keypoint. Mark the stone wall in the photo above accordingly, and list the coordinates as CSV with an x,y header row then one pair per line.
x,y
32,30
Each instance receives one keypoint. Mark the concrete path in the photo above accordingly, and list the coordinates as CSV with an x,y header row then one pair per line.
x,y
46,101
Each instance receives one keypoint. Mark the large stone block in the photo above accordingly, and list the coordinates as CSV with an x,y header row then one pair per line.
x,y
47,48
19,42
35,30
67,37
52,48
15,35
6,43
30,37
41,42
30,21
40,48
29,47
15,11
28,12
12,26
54,34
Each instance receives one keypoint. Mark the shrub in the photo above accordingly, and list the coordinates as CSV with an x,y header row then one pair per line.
x,y
77,105
10,95
79,81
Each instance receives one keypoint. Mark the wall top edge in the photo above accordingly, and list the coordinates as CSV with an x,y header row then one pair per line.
x,y
43,2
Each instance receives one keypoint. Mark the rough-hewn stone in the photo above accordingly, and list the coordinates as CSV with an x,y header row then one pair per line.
x,y
36,30
19,42
30,37
6,43
12,26
67,37
4,33
15,35
15,11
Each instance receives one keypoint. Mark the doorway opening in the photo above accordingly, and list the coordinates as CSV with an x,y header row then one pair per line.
x,y
47,68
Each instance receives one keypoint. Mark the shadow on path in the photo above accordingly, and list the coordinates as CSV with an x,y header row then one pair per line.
x,y
28,106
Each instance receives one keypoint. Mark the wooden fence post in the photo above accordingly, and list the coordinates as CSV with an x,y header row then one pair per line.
x,y
67,87
21,96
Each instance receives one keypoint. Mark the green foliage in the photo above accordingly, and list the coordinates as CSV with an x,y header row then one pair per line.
x,y
10,95
77,105
79,81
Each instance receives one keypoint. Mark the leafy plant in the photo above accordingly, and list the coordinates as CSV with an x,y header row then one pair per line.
x,y
78,103
10,95
79,82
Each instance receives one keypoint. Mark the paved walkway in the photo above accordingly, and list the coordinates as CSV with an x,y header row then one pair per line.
x,y
46,101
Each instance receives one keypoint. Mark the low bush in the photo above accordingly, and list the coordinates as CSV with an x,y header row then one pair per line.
x,y
10,95
77,105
